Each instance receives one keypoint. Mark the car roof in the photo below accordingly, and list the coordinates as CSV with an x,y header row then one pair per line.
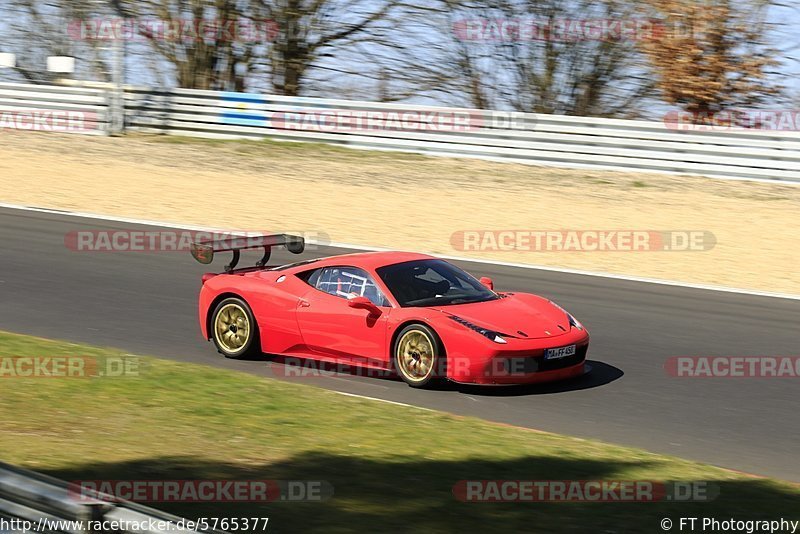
x,y
365,260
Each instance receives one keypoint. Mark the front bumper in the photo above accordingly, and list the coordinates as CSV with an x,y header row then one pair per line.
x,y
522,362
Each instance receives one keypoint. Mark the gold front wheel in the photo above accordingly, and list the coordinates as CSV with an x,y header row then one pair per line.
x,y
417,355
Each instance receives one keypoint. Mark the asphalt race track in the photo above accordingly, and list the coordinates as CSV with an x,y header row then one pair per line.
x,y
146,303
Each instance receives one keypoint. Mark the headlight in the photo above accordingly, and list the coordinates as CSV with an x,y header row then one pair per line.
x,y
572,320
497,337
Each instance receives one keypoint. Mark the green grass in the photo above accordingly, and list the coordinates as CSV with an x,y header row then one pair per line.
x,y
392,467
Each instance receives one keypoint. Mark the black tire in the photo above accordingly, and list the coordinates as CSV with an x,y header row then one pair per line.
x,y
412,369
230,318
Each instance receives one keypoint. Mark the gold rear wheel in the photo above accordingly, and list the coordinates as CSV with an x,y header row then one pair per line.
x,y
234,329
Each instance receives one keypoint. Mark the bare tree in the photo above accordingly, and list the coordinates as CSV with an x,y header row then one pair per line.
x,y
311,30
580,60
541,57
208,44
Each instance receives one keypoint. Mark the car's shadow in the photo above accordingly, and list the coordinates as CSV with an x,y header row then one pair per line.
x,y
599,374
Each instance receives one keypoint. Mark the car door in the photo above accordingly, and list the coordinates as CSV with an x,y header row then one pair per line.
x,y
329,326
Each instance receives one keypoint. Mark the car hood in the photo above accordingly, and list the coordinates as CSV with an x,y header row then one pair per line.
x,y
514,314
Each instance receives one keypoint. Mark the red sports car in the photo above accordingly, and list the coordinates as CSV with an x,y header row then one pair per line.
x,y
412,314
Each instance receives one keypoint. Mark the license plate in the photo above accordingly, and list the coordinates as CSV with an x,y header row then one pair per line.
x,y
560,352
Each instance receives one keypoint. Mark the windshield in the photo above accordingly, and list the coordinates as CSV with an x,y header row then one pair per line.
x,y
432,283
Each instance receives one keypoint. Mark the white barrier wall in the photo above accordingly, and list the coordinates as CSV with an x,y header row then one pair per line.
x,y
52,108
575,142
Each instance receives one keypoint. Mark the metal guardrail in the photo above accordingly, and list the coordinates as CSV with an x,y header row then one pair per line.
x,y
43,500
54,108
552,140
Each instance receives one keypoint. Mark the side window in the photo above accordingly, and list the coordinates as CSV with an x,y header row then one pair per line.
x,y
312,277
347,282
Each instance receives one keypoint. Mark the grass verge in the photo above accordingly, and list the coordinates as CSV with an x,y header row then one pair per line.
x,y
393,467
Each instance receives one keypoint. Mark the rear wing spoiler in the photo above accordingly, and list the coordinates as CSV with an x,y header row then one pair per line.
x,y
203,251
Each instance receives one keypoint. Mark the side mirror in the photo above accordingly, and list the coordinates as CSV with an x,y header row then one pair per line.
x,y
363,303
485,280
